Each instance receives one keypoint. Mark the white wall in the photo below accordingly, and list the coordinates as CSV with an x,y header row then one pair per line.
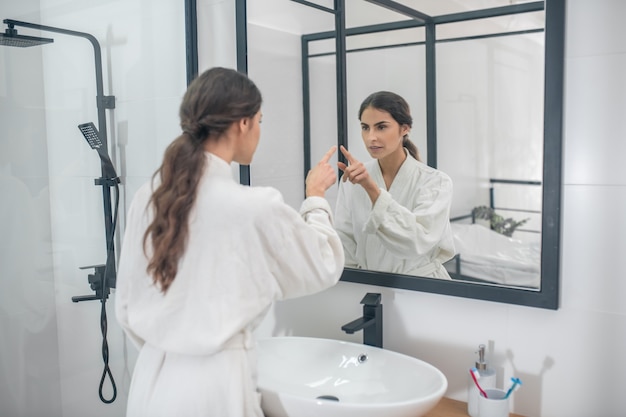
x,y
571,360
29,369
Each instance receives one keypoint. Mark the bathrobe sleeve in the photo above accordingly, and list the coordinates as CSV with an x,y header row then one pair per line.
x,y
304,252
417,228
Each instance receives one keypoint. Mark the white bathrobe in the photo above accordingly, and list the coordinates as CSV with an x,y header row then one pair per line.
x,y
246,248
407,230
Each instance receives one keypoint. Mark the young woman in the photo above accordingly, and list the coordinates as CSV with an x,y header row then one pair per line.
x,y
204,257
392,213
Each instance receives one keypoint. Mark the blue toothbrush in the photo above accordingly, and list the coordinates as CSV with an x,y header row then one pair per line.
x,y
516,384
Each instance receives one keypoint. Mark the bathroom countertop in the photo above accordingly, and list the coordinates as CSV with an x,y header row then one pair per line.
x,y
448,407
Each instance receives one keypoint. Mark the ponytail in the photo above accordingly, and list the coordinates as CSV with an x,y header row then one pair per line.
x,y
172,201
410,146
213,102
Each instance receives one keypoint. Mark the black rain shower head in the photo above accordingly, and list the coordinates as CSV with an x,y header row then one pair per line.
x,y
11,38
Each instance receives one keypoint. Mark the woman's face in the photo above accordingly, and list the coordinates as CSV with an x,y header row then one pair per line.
x,y
382,135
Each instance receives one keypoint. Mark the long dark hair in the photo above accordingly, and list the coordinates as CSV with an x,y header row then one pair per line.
x,y
213,101
398,108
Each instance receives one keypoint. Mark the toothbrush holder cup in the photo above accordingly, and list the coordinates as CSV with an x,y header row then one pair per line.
x,y
495,405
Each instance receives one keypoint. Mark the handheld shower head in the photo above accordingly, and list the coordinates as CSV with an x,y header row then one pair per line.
x,y
91,135
11,38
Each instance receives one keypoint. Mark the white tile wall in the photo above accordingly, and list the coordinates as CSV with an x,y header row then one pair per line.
x,y
592,246
595,131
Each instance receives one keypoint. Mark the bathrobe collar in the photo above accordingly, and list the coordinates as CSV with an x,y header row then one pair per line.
x,y
216,166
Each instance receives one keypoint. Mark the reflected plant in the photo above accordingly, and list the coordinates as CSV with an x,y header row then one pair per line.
x,y
497,223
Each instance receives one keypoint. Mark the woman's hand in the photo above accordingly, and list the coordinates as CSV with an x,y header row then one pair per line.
x,y
322,176
356,173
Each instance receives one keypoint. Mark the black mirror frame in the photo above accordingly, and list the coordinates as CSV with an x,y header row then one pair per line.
x,y
548,295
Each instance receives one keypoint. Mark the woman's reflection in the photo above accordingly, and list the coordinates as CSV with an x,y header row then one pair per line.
x,y
393,212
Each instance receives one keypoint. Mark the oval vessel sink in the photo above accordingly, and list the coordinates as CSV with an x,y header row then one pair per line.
x,y
310,377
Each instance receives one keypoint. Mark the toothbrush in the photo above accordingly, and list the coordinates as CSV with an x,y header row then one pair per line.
x,y
475,375
516,384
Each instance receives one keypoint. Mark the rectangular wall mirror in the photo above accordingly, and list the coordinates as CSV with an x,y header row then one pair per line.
x,y
484,81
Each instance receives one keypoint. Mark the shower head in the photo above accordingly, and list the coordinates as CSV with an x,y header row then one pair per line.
x,y
11,38
91,135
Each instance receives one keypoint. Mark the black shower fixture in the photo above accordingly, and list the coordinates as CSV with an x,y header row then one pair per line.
x,y
11,38
92,136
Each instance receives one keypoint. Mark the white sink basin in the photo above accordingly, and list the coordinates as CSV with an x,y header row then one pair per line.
x,y
310,377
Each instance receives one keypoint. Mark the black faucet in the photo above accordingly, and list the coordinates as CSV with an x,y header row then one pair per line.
x,y
371,323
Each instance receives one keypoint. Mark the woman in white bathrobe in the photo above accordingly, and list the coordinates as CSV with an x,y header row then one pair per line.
x,y
392,213
204,257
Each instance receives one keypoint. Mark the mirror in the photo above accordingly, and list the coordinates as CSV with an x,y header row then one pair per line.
x,y
486,106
